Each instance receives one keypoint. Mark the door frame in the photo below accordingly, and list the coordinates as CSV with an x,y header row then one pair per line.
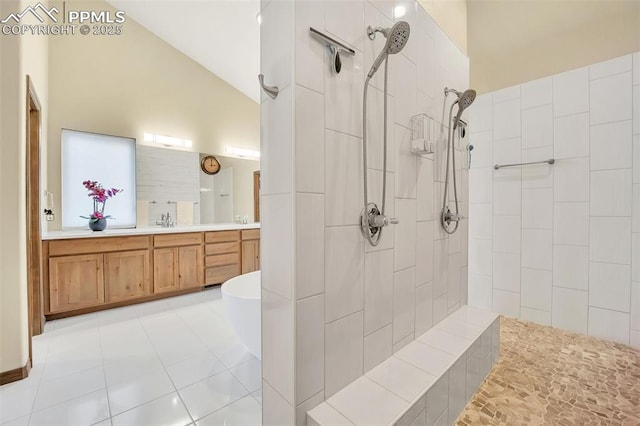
x,y
33,224
256,196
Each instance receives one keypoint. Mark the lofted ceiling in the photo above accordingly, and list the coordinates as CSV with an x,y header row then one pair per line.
x,y
514,41
540,36
221,35
499,25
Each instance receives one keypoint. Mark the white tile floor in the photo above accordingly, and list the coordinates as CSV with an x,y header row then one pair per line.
x,y
170,362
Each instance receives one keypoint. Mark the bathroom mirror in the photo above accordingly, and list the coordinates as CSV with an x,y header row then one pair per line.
x,y
172,181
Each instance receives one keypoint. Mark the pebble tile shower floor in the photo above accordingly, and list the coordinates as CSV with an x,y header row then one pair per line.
x,y
554,377
172,361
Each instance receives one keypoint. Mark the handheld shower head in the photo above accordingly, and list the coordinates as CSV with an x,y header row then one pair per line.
x,y
465,99
397,38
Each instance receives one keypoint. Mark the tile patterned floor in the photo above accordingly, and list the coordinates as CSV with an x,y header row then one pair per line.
x,y
553,377
174,361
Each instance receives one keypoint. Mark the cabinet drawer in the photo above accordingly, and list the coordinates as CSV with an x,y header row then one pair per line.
x,y
221,248
97,245
222,259
221,274
221,236
250,234
173,240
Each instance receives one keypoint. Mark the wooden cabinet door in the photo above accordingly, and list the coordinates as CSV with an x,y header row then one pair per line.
x,y
126,275
191,267
250,256
75,282
165,270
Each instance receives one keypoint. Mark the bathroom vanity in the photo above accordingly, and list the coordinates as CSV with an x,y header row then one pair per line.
x,y
86,271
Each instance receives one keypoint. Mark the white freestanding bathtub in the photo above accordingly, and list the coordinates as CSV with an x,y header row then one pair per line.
x,y
241,298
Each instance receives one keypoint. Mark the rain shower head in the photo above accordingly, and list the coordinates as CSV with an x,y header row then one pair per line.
x,y
397,38
465,99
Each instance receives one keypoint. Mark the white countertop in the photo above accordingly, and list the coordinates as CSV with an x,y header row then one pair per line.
x,y
149,230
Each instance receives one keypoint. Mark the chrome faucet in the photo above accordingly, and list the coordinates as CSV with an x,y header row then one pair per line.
x,y
166,221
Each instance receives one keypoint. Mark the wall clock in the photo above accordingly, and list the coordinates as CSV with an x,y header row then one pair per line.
x,y
210,165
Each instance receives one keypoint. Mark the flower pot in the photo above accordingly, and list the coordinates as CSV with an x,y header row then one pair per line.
x,y
98,225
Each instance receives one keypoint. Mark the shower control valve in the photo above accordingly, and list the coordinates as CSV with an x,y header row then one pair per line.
x,y
379,221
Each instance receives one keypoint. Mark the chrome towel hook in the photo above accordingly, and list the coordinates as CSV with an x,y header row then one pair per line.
x,y
271,91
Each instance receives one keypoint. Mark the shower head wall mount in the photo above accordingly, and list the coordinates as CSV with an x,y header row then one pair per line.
x,y
397,38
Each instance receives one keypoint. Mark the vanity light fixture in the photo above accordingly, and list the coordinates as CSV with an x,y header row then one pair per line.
x,y
168,141
242,153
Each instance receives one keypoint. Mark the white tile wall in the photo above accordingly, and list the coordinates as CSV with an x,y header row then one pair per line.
x,y
610,286
343,178
571,266
571,223
310,133
569,255
506,151
608,324
536,93
377,347
277,344
404,296
537,208
536,249
536,289
506,234
535,315
344,348
537,127
506,272
424,252
571,180
507,303
571,92
611,99
611,146
309,245
309,347
507,192
610,239
506,119
344,271
571,136
378,290
366,301
570,309
610,67
610,192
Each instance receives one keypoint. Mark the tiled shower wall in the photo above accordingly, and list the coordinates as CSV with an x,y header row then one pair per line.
x,y
560,244
333,306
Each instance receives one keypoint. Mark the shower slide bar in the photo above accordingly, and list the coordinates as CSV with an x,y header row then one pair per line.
x,y
549,161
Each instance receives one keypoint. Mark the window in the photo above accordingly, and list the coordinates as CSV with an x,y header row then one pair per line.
x,y
110,160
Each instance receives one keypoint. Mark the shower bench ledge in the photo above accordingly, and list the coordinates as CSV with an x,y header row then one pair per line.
x,y
427,382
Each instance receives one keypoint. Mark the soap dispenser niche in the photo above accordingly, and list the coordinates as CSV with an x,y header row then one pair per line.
x,y
423,131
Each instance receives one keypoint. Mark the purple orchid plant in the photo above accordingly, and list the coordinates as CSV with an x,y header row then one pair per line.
x,y
100,195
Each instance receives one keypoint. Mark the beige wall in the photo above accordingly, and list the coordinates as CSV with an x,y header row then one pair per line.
x,y
134,83
451,15
511,42
19,56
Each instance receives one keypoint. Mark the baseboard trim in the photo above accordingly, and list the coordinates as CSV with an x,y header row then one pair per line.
x,y
15,375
